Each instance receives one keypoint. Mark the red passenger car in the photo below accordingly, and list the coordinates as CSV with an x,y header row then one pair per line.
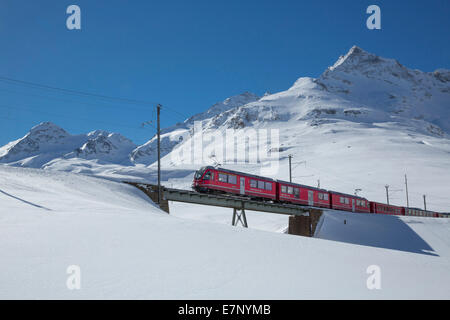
x,y
301,194
376,207
421,213
348,202
210,179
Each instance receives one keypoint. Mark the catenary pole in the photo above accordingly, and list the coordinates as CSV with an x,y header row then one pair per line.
x,y
407,196
290,168
158,109
387,193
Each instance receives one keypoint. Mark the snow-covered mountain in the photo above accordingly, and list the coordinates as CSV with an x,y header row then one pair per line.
x,y
172,136
47,142
386,85
41,144
362,124
110,147
360,87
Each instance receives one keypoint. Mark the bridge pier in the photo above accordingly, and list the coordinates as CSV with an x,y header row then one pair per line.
x,y
239,217
152,192
305,225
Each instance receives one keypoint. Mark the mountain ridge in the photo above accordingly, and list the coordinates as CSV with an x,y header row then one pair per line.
x,y
360,87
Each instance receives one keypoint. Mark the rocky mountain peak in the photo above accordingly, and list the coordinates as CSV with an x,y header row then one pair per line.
x,y
47,130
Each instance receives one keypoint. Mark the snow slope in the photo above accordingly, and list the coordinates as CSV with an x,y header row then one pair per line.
x,y
127,248
411,234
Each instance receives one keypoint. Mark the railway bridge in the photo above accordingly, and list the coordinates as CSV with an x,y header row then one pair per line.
x,y
302,220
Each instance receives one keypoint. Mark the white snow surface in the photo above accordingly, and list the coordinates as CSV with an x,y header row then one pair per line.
x,y
127,248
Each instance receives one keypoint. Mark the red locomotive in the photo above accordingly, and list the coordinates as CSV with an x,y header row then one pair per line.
x,y
223,181
209,179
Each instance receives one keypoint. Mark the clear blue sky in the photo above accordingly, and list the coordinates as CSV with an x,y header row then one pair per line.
x,y
188,55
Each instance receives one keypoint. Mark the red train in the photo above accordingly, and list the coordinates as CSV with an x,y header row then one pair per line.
x,y
219,180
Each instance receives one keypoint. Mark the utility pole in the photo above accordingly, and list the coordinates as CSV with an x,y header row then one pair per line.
x,y
407,197
290,168
318,184
158,109
425,202
387,193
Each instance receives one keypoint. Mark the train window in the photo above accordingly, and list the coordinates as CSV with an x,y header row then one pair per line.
x,y
325,196
358,202
297,192
283,189
347,201
290,190
341,200
260,184
207,176
222,177
253,184
232,179
199,173
269,186
320,196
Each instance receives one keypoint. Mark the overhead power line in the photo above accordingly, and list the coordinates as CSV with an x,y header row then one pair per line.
x,y
72,101
86,94
53,114
76,92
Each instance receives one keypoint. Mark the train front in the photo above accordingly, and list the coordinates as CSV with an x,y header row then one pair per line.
x,y
202,178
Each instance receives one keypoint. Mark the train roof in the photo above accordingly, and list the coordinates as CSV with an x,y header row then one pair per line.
x,y
348,195
240,173
422,210
302,185
385,204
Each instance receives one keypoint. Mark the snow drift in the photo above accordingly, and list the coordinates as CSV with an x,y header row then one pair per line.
x,y
126,248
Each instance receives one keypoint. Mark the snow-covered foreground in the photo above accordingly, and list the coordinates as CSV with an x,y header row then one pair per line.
x,y
429,236
127,248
